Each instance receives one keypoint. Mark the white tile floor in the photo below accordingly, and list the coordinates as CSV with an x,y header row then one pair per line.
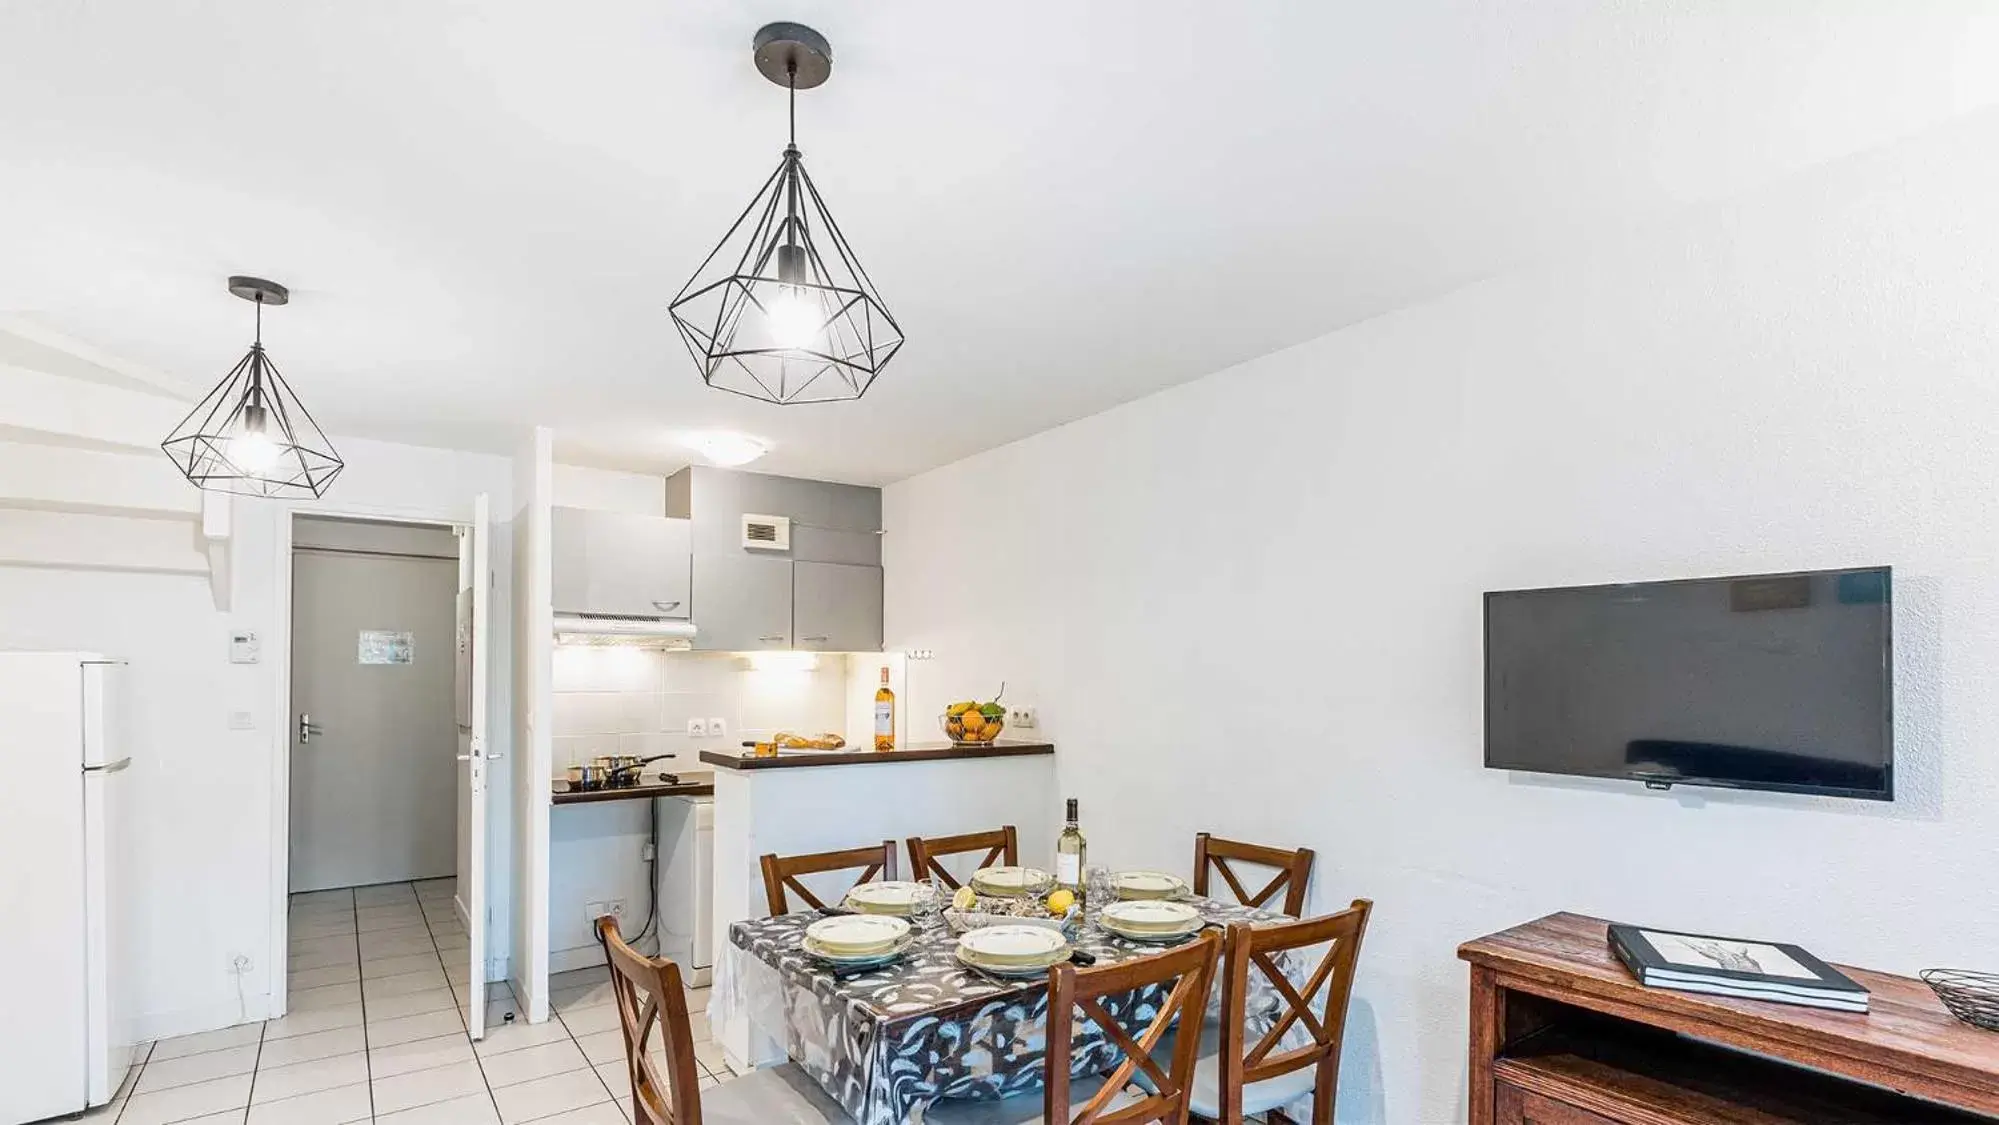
x,y
375,1032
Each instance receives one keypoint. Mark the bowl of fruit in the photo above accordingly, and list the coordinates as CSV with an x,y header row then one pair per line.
x,y
974,724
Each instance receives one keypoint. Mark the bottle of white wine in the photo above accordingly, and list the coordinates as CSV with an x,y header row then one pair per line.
x,y
1070,849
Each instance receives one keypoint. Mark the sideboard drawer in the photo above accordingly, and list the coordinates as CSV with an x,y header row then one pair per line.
x,y
1515,1106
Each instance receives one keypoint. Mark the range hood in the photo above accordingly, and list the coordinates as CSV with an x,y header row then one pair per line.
x,y
626,632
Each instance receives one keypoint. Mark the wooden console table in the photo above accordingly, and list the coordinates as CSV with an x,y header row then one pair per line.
x,y
1561,1034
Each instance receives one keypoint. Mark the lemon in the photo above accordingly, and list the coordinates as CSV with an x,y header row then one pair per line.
x,y
1060,902
965,899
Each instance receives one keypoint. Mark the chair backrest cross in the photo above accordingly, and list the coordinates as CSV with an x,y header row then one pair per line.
x,y
781,872
1001,845
1294,870
1188,974
649,997
1255,950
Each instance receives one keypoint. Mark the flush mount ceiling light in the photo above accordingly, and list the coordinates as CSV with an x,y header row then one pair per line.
x,y
251,435
726,449
781,309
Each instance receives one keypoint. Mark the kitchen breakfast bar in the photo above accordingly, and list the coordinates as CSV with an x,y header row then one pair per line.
x,y
802,802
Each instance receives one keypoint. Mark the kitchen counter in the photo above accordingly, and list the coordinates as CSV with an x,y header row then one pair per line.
x,y
920,752
645,790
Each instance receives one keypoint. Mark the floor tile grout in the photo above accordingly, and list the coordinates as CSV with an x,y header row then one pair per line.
x,y
599,1089
463,1015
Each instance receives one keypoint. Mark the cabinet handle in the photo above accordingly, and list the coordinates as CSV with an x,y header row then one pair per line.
x,y
821,640
773,638
666,607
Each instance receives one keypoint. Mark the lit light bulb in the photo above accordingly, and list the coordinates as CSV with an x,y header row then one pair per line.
x,y
253,452
794,318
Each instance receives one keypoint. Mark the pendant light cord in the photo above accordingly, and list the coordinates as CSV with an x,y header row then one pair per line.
x,y
791,84
260,320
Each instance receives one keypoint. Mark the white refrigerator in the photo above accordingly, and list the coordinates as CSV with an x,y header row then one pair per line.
x,y
65,1043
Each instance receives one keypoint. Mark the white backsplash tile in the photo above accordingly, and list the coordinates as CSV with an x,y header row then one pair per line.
x,y
639,701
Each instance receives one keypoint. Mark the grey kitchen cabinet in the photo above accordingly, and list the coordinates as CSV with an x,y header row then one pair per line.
x,y
620,563
745,602
836,607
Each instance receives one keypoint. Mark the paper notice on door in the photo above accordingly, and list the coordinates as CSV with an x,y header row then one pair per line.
x,y
383,646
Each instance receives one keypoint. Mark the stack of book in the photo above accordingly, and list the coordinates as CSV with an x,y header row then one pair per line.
x,y
1751,970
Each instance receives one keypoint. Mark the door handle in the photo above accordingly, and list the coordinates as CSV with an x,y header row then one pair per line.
x,y
666,607
307,728
820,640
772,639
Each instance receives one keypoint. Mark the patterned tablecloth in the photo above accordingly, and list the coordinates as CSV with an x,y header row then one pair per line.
x,y
887,1041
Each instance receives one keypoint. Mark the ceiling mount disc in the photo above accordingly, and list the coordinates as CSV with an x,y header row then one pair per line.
x,y
780,46
258,290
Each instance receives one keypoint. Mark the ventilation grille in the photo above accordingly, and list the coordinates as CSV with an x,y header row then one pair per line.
x,y
767,533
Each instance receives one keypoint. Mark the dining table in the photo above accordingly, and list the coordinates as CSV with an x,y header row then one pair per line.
x,y
885,1042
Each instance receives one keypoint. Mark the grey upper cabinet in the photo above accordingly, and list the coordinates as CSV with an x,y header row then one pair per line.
x,y
836,607
745,602
621,563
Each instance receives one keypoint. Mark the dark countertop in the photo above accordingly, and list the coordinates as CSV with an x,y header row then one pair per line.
x,y
645,790
921,752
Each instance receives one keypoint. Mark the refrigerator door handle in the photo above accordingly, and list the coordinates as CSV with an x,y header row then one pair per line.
x,y
109,767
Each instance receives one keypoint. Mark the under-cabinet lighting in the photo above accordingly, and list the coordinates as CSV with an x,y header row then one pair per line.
x,y
782,661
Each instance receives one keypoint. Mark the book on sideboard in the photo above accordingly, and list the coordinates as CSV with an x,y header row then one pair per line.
x,y
1724,966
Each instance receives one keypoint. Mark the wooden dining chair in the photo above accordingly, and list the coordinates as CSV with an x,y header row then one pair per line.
x,y
1294,870
781,872
1236,1076
1187,973
665,1084
1001,845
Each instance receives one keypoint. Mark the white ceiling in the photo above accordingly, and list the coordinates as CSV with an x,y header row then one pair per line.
x,y
483,206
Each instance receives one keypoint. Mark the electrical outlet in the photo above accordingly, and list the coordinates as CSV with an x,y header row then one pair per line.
x,y
240,964
647,853
1021,717
697,728
717,728
616,909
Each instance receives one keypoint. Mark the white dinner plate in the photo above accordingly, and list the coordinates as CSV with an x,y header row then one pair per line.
x,y
1151,916
860,961
857,935
896,897
1024,972
1011,880
1148,884
1026,947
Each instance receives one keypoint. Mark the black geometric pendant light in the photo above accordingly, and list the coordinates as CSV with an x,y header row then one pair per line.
x,y
251,435
781,309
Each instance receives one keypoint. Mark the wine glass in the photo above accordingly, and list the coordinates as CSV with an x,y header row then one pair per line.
x,y
930,903
1099,888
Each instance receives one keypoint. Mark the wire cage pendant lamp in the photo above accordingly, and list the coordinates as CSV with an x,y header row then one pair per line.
x,y
251,435
781,309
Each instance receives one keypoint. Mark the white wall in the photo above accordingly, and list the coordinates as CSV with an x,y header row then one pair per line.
x,y
1251,604
203,794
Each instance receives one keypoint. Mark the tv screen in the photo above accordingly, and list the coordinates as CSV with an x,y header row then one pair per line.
x,y
1775,681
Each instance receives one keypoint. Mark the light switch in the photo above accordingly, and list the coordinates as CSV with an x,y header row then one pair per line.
x,y
244,648
242,720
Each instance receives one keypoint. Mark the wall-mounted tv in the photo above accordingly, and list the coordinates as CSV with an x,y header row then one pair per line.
x,y
1769,681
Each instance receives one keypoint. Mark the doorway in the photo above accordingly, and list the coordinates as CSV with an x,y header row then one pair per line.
x,y
374,715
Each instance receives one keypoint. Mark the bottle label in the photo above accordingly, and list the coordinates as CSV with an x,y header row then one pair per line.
x,y
1069,870
884,718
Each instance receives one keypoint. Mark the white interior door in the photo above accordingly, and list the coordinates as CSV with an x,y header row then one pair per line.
x,y
475,596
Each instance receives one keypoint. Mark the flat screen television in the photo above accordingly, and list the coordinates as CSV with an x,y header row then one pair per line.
x,y
1770,681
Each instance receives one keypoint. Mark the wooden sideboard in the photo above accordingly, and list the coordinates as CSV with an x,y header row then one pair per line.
x,y
1562,1034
